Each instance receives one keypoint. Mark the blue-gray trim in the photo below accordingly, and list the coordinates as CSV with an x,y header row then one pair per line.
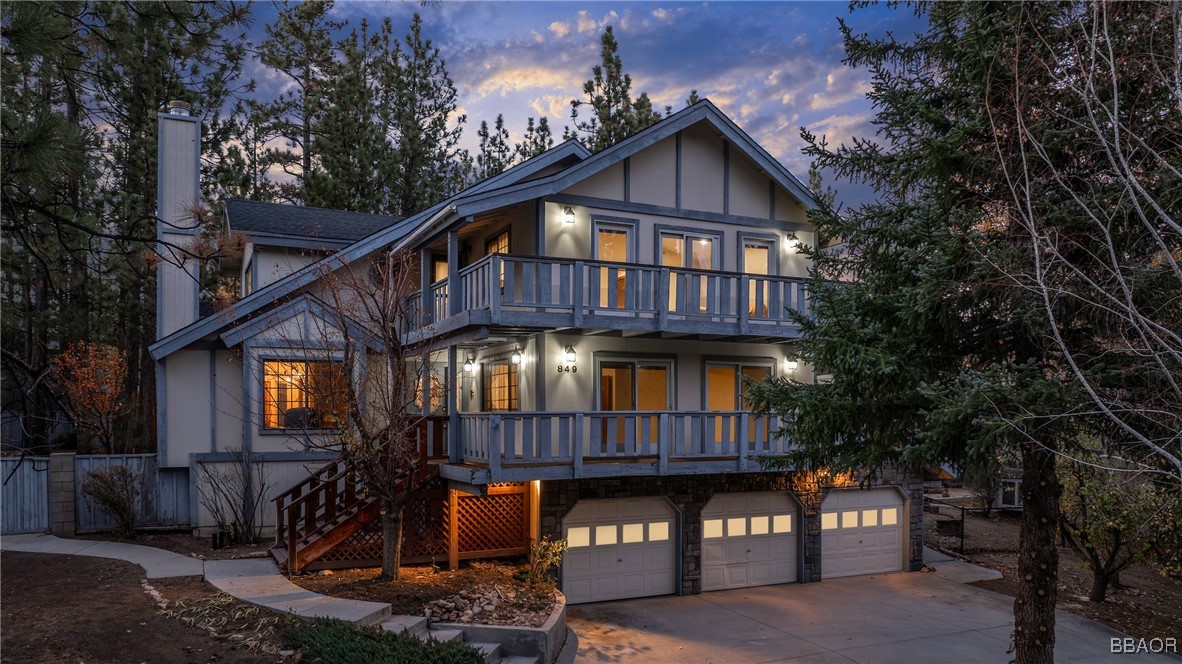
x,y
631,225
247,399
310,455
540,224
717,234
677,177
297,242
304,304
664,211
726,177
628,180
213,401
704,110
773,255
540,372
260,360
161,415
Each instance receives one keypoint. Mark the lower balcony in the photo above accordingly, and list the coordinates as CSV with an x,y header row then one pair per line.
x,y
521,446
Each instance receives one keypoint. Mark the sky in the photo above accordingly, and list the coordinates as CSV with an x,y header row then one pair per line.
x,y
772,67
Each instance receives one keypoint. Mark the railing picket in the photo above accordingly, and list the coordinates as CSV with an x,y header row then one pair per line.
x,y
577,446
577,293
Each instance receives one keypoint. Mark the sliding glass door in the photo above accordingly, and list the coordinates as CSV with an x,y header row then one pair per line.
x,y
688,250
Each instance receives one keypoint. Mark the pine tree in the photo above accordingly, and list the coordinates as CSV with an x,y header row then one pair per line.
x,y
536,140
299,45
495,152
422,122
614,115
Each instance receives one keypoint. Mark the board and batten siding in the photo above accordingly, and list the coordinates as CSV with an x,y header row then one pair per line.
x,y
176,279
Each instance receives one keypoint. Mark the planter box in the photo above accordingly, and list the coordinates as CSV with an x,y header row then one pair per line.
x,y
543,642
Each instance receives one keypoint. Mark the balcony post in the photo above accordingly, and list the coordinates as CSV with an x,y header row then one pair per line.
x,y
663,299
744,305
663,438
576,296
494,447
577,446
496,287
453,406
426,316
741,439
455,289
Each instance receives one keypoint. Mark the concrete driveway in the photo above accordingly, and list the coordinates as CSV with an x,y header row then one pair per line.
x,y
906,618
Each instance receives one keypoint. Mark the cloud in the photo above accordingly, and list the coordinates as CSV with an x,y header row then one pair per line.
x,y
842,85
522,78
841,129
555,107
560,29
538,37
585,22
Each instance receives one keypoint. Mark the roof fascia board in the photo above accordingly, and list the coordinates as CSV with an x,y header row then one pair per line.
x,y
294,242
306,303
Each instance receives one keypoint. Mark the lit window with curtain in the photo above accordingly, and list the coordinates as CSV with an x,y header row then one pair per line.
x,y
303,395
498,386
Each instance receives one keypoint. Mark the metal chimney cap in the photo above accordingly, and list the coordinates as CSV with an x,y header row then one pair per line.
x,y
176,107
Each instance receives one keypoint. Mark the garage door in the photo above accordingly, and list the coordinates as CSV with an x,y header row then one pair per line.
x,y
861,532
618,549
748,539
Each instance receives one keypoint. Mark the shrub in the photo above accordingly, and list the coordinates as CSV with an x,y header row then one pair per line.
x,y
336,642
544,557
114,490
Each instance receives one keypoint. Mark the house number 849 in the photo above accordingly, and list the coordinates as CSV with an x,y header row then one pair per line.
x,y
570,368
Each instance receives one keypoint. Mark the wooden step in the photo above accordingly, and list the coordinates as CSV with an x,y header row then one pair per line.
x,y
279,553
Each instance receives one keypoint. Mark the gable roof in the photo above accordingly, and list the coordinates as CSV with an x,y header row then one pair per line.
x,y
568,152
302,224
509,187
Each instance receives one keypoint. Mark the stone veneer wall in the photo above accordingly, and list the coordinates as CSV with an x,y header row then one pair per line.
x,y
690,493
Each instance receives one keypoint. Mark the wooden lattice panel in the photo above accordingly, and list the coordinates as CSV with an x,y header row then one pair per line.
x,y
494,524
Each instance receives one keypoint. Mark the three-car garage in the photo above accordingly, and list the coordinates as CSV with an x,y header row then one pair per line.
x,y
621,548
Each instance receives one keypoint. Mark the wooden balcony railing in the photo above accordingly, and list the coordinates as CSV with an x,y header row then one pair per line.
x,y
515,445
546,291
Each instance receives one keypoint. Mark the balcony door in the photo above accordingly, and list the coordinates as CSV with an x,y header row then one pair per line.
x,y
726,390
757,261
615,243
693,251
629,385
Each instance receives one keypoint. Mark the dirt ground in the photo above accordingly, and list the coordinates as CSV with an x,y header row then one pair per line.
x,y
186,544
421,586
94,610
1148,605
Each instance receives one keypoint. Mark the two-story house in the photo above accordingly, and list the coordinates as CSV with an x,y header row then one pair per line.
x,y
594,319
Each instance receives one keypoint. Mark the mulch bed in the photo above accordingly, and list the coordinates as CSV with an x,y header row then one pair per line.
x,y
463,595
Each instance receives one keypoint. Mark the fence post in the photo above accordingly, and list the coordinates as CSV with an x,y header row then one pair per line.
x,y
62,518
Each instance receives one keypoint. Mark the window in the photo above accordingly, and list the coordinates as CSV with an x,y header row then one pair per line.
x,y
688,250
438,269
498,386
757,262
1010,496
498,244
303,395
613,243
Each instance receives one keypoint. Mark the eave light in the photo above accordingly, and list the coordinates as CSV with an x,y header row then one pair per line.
x,y
792,364
569,355
516,357
568,215
469,364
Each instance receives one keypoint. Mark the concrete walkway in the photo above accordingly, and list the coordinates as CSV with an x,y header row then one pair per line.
x,y
252,580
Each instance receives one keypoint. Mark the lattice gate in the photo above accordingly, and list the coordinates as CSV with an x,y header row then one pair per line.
x,y
492,526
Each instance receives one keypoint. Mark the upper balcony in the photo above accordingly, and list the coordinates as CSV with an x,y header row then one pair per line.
x,y
506,291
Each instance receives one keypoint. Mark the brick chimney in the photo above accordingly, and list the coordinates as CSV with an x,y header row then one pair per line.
x,y
178,172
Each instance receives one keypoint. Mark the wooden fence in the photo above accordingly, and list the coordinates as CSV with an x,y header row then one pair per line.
x,y
163,497
24,501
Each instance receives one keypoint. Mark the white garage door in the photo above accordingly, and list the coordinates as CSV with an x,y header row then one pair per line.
x,y
748,539
861,532
618,549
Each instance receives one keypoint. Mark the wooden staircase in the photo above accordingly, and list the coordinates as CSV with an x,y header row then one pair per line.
x,y
331,505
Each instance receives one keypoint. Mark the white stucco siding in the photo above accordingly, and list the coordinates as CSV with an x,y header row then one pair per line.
x,y
788,209
750,191
187,408
608,183
274,264
653,172
701,170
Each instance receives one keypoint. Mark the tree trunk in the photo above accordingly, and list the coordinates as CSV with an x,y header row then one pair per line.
x,y
1100,581
391,540
1038,558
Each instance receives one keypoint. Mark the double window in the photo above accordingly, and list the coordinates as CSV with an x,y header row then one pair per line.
x,y
303,395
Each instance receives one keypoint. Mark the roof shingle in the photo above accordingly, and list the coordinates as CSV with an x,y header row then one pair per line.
x,y
278,219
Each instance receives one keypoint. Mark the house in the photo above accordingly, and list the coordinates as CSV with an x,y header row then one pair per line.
x,y
593,318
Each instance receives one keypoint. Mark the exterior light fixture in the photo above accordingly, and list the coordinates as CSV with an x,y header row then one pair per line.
x,y
516,357
792,243
791,363
568,215
469,364
569,355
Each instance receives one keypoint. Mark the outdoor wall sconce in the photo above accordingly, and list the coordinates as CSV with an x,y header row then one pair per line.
x,y
569,355
516,357
791,363
568,215
469,364
792,243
